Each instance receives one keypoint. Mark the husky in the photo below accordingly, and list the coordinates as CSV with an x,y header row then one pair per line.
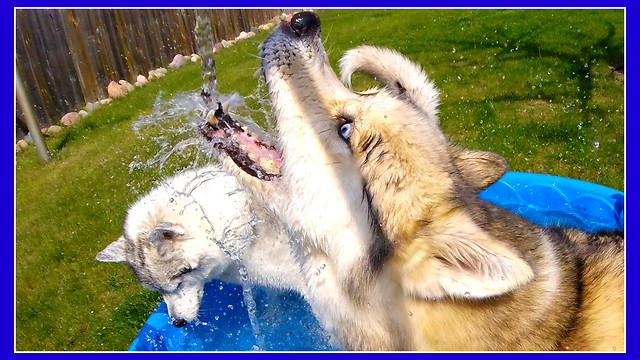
x,y
314,186
476,276
380,200
197,226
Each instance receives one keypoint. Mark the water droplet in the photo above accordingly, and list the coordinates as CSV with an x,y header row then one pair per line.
x,y
230,306
453,51
467,294
596,144
410,313
242,271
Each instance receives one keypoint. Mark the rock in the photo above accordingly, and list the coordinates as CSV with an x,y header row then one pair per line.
x,y
105,101
255,29
242,36
28,138
91,106
22,144
267,26
245,35
178,61
54,129
154,74
195,57
217,47
116,90
157,73
70,118
127,85
83,113
141,80
226,44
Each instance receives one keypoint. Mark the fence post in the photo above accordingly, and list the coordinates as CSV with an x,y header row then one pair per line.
x,y
30,118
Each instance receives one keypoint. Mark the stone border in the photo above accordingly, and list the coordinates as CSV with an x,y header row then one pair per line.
x,y
122,87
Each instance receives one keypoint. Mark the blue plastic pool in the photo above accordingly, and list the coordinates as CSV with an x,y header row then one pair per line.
x,y
285,320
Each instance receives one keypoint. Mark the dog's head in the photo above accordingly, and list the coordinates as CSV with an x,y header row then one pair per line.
x,y
303,86
390,139
174,244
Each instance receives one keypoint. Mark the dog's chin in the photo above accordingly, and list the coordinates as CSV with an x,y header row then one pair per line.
x,y
251,149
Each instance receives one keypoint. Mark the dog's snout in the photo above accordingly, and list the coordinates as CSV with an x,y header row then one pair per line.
x,y
179,322
305,23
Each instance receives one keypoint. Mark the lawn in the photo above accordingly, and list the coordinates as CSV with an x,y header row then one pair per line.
x,y
532,85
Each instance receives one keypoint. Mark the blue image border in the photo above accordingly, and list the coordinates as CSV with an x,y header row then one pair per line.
x,y
7,160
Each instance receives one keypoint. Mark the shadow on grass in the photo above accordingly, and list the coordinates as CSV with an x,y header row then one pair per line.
x,y
577,64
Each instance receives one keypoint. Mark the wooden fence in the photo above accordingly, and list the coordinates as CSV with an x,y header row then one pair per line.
x,y
67,57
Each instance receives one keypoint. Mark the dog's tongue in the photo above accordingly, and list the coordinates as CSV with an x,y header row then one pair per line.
x,y
248,149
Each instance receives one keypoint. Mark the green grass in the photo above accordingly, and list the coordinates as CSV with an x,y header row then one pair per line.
x,y
533,86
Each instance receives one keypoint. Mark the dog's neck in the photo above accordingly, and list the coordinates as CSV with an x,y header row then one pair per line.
x,y
334,240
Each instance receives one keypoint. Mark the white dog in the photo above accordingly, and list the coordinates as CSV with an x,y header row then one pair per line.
x,y
197,226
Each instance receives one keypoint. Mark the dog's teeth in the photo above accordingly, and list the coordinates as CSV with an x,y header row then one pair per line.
x,y
269,166
211,118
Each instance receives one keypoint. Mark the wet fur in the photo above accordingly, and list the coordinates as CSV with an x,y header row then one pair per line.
x,y
383,222
197,226
476,276
322,199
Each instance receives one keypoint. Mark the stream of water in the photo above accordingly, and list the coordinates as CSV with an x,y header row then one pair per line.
x,y
173,129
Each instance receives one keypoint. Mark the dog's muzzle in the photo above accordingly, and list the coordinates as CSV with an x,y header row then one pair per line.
x,y
251,151
304,24
179,322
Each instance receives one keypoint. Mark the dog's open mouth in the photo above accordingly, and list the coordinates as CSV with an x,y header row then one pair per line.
x,y
249,149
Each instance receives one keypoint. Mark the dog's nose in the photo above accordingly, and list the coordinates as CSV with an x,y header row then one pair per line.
x,y
179,322
305,23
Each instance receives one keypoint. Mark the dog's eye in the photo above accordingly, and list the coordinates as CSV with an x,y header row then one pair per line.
x,y
186,270
345,130
183,271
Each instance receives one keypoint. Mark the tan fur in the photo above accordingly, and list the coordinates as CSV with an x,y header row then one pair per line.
x,y
449,271
476,276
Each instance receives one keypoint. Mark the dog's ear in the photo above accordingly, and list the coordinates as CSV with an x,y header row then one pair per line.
x,y
478,168
114,252
464,263
164,232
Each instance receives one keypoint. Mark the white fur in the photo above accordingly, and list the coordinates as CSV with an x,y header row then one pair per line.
x,y
327,212
217,227
390,67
